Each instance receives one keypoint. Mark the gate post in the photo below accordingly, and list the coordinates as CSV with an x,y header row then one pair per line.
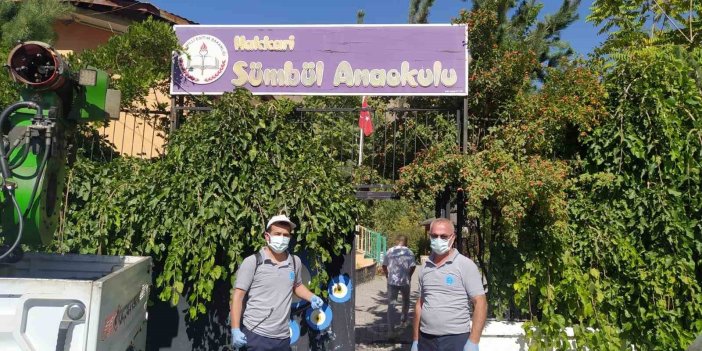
x,y
460,219
442,206
464,127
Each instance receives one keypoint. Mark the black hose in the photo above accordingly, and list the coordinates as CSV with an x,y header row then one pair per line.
x,y
11,193
17,144
22,158
5,169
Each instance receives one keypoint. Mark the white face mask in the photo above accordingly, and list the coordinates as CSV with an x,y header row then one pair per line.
x,y
279,243
439,246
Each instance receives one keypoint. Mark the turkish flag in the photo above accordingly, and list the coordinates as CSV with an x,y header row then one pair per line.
x,y
364,119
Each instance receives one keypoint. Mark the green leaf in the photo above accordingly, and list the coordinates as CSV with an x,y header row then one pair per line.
x,y
216,272
252,154
673,192
595,273
178,287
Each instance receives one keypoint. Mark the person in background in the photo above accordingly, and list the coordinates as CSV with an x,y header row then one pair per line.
x,y
398,267
268,279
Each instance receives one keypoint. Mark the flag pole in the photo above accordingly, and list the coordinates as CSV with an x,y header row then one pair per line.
x,y
360,142
360,148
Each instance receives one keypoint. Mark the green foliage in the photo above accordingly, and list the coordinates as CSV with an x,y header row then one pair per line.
x,y
525,146
9,90
523,30
403,217
517,203
29,20
419,11
584,199
202,208
395,135
553,122
631,274
338,131
589,191
360,16
583,196
139,60
22,21
641,22
506,59
498,71
516,185
636,217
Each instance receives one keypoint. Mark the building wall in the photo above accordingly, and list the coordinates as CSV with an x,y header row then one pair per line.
x,y
136,135
76,37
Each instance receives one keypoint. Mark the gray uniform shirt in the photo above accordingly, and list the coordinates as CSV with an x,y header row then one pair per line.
x,y
445,292
267,307
399,260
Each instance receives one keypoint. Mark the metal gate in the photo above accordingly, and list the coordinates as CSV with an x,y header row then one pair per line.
x,y
399,135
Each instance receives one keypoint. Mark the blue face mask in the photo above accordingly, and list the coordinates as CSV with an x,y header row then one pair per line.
x,y
439,246
279,243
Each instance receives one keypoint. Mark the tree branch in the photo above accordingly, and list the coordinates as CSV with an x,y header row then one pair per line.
x,y
672,21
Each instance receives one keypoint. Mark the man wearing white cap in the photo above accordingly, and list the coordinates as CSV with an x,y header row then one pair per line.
x,y
267,280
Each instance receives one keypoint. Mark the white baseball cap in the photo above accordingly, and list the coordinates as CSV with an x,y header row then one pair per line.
x,y
280,218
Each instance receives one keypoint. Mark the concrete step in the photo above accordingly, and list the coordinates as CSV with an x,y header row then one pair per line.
x,y
362,262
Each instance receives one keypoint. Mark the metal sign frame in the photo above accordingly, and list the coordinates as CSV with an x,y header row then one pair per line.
x,y
177,89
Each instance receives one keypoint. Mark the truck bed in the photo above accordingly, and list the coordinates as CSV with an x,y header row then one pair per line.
x,y
68,266
74,303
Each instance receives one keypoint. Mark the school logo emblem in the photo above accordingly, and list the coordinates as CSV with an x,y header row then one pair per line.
x,y
204,59
449,280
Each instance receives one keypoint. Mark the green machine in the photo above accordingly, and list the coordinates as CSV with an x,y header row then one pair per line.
x,y
33,151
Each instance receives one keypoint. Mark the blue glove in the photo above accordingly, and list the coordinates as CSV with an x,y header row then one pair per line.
x,y
238,338
415,346
316,302
470,346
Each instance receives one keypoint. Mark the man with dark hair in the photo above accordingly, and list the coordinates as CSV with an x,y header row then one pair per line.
x,y
398,267
268,279
448,283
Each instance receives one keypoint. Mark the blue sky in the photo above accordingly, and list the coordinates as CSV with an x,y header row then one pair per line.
x,y
582,35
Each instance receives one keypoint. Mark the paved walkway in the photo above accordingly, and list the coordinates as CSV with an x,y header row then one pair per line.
x,y
372,330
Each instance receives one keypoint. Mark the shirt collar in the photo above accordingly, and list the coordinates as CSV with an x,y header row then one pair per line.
x,y
451,257
266,257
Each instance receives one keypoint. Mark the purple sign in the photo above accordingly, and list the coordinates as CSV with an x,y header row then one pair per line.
x,y
425,59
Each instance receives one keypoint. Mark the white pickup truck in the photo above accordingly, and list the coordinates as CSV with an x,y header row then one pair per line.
x,y
51,302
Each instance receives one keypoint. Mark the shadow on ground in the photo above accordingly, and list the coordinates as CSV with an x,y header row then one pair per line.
x,y
373,332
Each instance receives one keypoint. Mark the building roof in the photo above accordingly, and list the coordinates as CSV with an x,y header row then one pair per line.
x,y
131,9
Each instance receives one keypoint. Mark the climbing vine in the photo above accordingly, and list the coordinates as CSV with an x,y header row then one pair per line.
x,y
200,209
584,195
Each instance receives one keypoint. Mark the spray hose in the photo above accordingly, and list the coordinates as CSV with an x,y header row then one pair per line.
x,y
7,185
